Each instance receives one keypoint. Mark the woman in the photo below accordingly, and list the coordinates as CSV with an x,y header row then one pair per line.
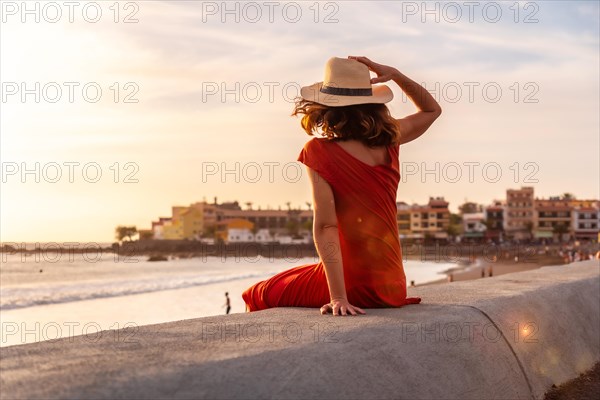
x,y
354,173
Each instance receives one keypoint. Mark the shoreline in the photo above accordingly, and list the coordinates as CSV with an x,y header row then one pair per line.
x,y
460,253
483,268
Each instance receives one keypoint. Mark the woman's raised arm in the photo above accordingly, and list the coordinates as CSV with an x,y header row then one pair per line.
x,y
414,125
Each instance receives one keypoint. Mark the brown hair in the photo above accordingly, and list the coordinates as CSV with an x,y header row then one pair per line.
x,y
372,124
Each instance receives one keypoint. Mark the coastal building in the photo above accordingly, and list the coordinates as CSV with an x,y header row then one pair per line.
x,y
276,221
474,225
264,236
202,220
157,228
553,219
519,216
470,208
145,234
403,219
585,217
236,230
430,220
192,222
494,220
173,229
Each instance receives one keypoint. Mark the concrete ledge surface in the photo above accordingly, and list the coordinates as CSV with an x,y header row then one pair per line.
x,y
510,336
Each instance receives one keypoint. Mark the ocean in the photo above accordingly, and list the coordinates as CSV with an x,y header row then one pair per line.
x,y
51,296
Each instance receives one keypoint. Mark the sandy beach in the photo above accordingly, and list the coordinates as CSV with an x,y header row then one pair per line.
x,y
483,268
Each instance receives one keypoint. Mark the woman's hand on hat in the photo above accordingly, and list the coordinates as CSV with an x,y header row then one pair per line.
x,y
341,307
384,72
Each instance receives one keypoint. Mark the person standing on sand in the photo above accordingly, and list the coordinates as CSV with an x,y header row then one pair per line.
x,y
353,168
227,303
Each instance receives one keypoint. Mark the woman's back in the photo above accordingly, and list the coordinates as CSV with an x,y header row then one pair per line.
x,y
369,155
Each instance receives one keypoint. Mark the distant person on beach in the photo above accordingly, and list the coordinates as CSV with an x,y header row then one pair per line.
x,y
227,303
354,170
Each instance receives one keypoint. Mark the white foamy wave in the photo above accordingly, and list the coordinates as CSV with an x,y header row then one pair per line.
x,y
28,296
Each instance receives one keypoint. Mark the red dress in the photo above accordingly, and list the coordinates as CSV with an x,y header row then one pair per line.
x,y
365,203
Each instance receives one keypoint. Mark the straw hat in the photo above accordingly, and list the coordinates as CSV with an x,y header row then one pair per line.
x,y
347,82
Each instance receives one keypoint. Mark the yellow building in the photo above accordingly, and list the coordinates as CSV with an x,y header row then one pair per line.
x,y
202,219
192,222
173,229
415,221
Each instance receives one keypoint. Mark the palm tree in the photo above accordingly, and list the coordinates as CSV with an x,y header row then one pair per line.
x,y
122,232
289,205
249,205
308,204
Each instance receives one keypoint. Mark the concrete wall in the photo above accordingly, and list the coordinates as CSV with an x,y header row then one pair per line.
x,y
510,336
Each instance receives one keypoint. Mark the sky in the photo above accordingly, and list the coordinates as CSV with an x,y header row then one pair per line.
x,y
112,113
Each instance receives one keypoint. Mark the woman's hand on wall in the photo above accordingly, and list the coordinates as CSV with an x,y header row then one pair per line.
x,y
341,307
